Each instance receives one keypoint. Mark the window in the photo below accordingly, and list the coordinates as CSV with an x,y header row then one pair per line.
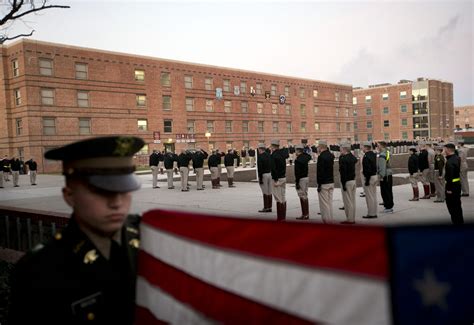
x,y
15,68
315,109
243,87
354,100
348,127
386,123
189,104
188,82
226,85
336,96
384,96
227,106
369,124
369,137
244,106
260,126
317,126
385,110
274,108
404,135
302,92
275,127
17,95
355,126
190,126
386,136
288,109
139,75
347,112
143,150
210,126
338,127
289,127
273,90
356,138
229,145
368,99
368,111
142,124
49,125
403,94
287,91
302,109
259,108
141,100
208,83
84,126
165,79
228,126
346,97
166,102
404,122
258,88
209,105
315,93
82,98
418,94
47,96
403,108
354,112
46,67
337,111
303,127
21,153
19,126
81,71
168,126
245,127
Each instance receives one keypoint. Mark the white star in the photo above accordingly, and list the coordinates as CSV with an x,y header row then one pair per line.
x,y
433,292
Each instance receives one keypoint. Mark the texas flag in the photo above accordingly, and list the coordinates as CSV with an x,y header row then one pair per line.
x,y
210,269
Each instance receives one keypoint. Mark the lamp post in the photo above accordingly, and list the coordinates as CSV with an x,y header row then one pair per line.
x,y
207,135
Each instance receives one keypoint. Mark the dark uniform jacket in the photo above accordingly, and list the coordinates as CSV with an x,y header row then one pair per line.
x,y
423,160
5,165
278,165
285,153
184,159
301,166
243,153
413,164
15,165
154,159
325,168
439,163
369,165
32,165
198,158
251,153
214,160
347,164
229,159
453,169
263,165
169,160
68,281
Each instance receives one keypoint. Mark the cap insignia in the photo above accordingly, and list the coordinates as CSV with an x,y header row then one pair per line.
x,y
123,146
134,243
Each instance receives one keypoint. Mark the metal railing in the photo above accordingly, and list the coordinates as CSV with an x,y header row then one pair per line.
x,y
23,229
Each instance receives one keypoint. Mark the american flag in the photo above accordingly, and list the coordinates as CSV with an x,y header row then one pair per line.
x,y
209,269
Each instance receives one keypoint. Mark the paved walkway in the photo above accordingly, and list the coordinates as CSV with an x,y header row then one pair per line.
x,y
244,200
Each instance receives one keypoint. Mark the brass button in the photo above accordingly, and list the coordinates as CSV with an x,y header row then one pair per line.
x,y
58,236
90,316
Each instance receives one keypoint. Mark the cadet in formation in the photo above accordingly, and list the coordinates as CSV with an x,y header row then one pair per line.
x,y
413,170
278,171
462,151
424,165
183,164
198,165
213,163
87,273
32,169
229,163
347,163
153,163
169,161
453,184
325,181
431,156
302,180
369,169
439,163
264,177
251,153
384,170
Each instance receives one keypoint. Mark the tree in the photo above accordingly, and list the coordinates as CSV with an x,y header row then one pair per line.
x,y
17,10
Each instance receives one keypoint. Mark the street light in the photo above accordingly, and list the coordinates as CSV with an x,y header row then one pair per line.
x,y
207,135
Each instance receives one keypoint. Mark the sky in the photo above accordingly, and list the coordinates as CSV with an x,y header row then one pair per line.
x,y
350,42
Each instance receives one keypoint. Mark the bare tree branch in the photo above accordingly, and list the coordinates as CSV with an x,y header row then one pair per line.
x,y
5,38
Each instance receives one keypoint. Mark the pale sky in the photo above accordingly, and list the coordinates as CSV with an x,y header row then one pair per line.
x,y
351,42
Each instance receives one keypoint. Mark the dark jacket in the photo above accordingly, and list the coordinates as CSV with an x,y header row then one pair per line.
x,y
154,159
347,164
5,165
439,162
301,166
169,160
453,169
214,160
32,165
285,153
278,165
413,164
263,165
198,158
243,153
183,159
251,153
325,168
423,160
369,165
229,159
15,165
69,279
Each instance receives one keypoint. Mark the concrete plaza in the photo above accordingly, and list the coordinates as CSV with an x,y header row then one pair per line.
x,y
243,201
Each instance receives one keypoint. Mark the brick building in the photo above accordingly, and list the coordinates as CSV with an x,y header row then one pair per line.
x,y
406,110
464,117
54,94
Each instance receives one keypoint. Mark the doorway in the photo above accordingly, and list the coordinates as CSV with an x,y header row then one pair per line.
x,y
169,147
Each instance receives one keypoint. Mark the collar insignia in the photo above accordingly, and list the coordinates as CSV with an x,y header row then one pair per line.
x,y
90,256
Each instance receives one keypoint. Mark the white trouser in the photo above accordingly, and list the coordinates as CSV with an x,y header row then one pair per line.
x,y
154,173
266,187
371,196
303,190
279,190
325,202
33,176
348,197
199,176
184,171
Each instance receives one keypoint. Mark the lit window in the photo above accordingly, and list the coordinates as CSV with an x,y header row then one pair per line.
x,y
384,96
47,96
368,99
315,93
46,67
142,125
316,126
141,99
403,94
81,71
139,75
354,100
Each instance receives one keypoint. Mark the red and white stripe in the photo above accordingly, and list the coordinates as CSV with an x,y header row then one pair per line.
x,y
204,269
